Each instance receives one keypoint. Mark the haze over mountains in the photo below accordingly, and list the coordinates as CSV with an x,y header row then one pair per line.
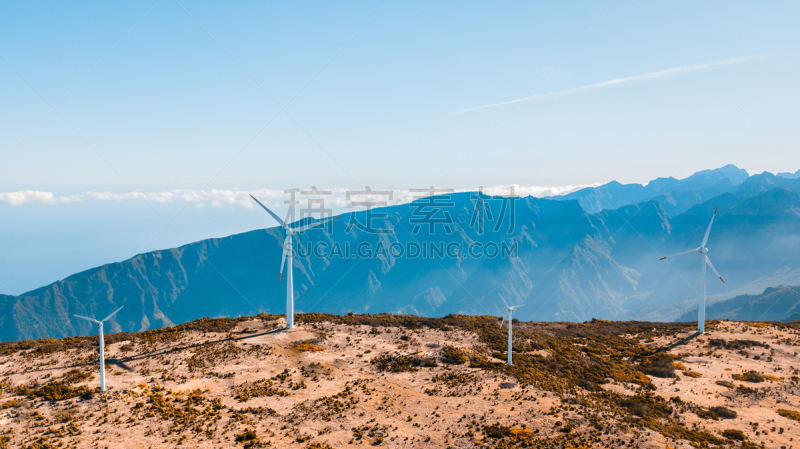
x,y
674,195
774,304
593,253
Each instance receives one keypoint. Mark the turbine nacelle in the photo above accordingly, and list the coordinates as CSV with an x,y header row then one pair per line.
x,y
509,310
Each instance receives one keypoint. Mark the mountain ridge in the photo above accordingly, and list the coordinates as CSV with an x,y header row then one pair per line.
x,y
571,265
676,195
780,303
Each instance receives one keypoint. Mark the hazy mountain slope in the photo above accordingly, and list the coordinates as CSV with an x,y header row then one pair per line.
x,y
7,320
789,175
571,265
754,240
774,304
678,201
608,196
588,283
674,195
238,274
766,181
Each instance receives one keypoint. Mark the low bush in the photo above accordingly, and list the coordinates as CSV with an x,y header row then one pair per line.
x,y
308,347
319,446
13,403
400,363
497,431
248,438
733,434
54,391
454,356
791,414
723,412
58,389
454,379
716,413
735,344
749,376
658,366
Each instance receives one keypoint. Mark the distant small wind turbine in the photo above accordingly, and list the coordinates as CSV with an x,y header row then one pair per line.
x,y
287,254
102,344
701,311
509,311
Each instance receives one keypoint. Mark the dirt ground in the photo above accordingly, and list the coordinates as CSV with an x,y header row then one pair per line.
x,y
325,385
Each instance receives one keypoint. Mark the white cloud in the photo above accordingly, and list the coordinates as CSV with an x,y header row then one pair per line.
x,y
26,196
272,197
535,191
619,81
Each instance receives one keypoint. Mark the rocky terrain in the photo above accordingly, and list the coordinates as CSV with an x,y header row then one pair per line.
x,y
404,381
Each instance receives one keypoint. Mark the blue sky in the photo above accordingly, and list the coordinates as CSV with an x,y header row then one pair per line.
x,y
158,96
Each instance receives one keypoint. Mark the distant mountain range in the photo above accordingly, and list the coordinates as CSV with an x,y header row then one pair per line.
x,y
775,304
591,254
674,195
789,175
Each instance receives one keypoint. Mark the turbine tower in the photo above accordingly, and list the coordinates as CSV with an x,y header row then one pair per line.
x,y
509,311
287,254
701,311
102,344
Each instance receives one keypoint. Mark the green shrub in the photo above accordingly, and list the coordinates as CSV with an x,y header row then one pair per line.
x,y
454,356
749,376
733,434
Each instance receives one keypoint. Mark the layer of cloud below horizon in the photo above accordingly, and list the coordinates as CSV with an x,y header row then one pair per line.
x,y
337,197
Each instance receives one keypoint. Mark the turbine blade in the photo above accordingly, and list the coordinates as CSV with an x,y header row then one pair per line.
x,y
112,314
286,243
503,299
708,231
315,224
502,322
680,254
708,261
87,318
282,223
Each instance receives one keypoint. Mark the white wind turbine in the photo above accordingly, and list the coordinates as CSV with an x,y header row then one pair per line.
x,y
509,311
102,356
701,311
287,254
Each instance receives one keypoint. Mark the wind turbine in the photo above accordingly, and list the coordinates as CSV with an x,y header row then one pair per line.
x,y
102,356
287,254
509,311
701,311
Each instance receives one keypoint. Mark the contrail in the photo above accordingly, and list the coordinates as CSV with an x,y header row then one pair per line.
x,y
618,81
